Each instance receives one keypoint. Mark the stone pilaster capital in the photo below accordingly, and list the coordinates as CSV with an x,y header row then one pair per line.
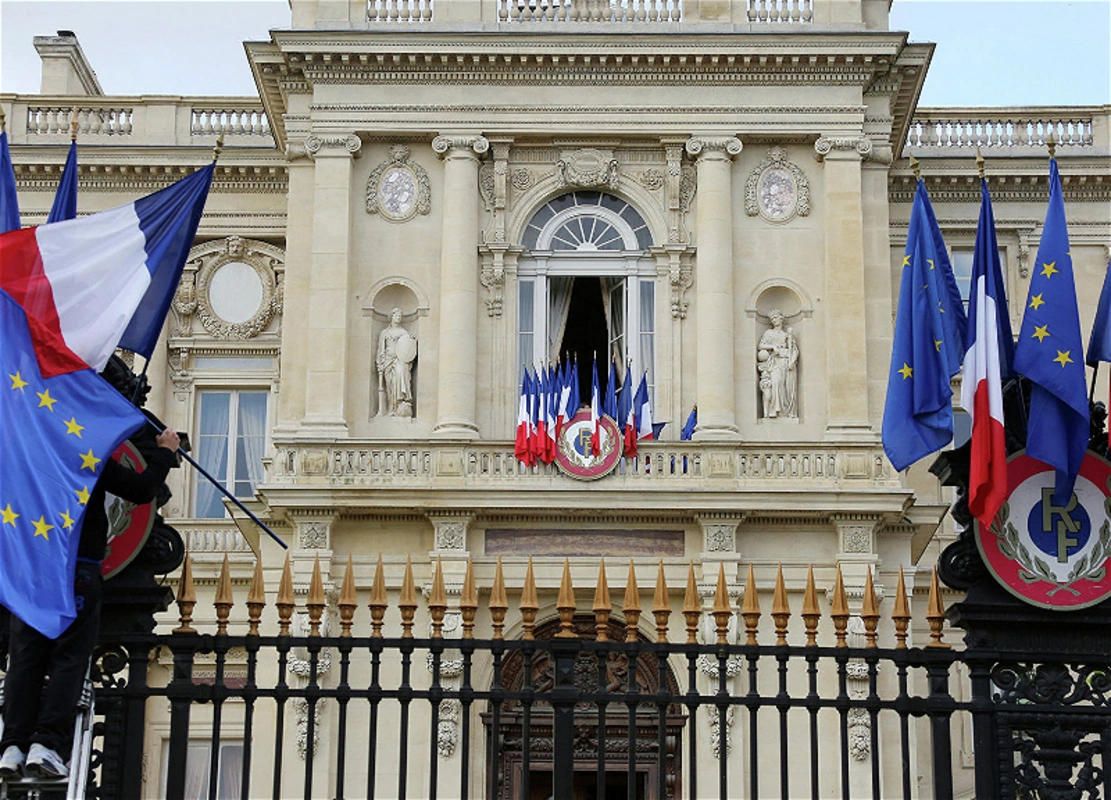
x,y
333,145
721,146
469,146
844,146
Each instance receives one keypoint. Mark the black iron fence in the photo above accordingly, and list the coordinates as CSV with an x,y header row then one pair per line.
x,y
588,706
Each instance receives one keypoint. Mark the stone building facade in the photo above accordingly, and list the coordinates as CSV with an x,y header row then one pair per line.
x,y
699,164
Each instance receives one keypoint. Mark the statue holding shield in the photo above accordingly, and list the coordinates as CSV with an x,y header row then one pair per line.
x,y
397,350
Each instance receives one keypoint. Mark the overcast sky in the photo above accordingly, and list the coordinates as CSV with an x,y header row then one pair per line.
x,y
990,52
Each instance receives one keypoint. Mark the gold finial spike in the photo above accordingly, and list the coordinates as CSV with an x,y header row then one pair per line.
x,y
186,598
408,601
781,609
437,601
935,615
810,611
378,602
661,605
468,601
284,602
721,610
224,600
840,610
256,599
750,608
499,603
315,601
630,607
692,606
916,167
980,162
901,615
602,605
73,125
869,611
348,601
218,148
530,605
1051,143
565,604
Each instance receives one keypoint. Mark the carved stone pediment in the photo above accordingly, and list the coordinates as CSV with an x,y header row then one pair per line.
x,y
588,167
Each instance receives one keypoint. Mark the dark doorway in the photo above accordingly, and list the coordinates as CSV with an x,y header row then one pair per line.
x,y
586,785
586,336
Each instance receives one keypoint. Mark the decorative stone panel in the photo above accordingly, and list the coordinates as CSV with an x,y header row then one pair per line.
x,y
398,188
777,189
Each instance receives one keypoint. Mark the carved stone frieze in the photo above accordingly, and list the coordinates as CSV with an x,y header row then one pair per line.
x,y
651,179
777,189
450,532
398,188
856,534
313,535
523,179
825,145
588,167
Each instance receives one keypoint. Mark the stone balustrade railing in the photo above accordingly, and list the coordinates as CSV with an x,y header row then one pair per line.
x,y
230,122
1015,129
210,536
161,120
752,12
492,465
400,11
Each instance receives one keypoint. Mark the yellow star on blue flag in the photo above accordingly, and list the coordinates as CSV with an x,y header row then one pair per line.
x,y
1048,353
928,346
42,471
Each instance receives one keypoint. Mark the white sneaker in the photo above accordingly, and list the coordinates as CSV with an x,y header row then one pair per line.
x,y
42,762
11,764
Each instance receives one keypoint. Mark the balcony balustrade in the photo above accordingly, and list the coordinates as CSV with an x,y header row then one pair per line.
x,y
941,131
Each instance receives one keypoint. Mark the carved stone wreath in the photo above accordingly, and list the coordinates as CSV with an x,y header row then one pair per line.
x,y
777,189
398,189
589,168
264,259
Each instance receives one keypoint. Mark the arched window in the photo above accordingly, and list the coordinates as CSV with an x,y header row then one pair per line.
x,y
587,287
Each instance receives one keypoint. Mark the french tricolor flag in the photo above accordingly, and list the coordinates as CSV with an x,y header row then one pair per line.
x,y
104,281
987,362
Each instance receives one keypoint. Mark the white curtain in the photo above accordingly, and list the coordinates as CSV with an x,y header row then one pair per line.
x,y
559,304
231,771
213,450
196,772
647,330
615,321
252,439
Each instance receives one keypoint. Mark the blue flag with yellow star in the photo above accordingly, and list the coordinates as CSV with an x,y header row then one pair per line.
x,y
918,413
1050,352
55,435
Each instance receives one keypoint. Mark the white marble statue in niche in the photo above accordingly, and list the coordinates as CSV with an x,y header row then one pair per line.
x,y
397,350
777,359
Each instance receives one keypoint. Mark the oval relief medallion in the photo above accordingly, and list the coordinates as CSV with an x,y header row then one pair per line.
x,y
397,193
777,195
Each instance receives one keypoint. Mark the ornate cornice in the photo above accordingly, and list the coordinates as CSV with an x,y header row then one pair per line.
x,y
1019,188
147,178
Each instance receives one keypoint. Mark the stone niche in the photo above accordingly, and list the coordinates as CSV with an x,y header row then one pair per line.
x,y
778,308
394,307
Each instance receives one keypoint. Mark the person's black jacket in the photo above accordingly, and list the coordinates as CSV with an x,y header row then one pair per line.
x,y
135,487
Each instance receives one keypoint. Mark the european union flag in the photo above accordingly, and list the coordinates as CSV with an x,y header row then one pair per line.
x,y
687,432
918,414
55,434
1050,352
955,319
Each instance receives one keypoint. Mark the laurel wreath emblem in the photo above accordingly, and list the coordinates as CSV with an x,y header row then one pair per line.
x,y
1033,569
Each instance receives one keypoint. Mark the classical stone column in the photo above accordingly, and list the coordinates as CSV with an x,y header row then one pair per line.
x,y
716,390
847,353
295,315
458,310
326,392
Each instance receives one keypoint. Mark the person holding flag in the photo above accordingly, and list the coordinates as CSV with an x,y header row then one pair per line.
x,y
1050,350
928,346
71,292
987,364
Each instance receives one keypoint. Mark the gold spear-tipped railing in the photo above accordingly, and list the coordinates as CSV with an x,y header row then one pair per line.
x,y
720,610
